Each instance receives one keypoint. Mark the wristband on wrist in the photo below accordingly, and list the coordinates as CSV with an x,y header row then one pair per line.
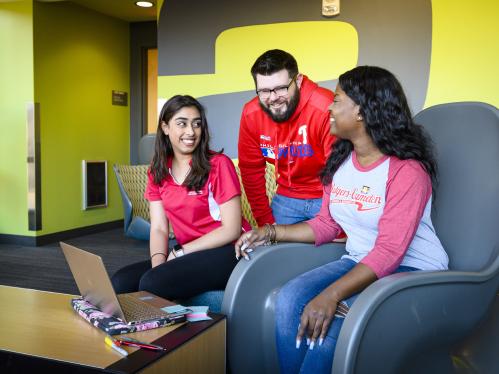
x,y
158,253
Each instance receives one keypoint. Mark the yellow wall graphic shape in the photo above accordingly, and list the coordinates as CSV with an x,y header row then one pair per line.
x,y
323,50
465,52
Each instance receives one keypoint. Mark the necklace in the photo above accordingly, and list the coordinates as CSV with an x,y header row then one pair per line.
x,y
183,179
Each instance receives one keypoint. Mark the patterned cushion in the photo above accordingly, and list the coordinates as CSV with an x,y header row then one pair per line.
x,y
270,186
134,179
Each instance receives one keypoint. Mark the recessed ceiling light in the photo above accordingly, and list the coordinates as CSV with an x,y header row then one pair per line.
x,y
144,4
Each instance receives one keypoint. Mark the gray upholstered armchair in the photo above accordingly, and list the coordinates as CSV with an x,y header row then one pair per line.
x,y
408,322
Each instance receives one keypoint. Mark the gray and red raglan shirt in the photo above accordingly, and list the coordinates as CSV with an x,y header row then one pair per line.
x,y
385,211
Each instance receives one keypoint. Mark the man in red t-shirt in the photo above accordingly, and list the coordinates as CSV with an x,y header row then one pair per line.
x,y
286,124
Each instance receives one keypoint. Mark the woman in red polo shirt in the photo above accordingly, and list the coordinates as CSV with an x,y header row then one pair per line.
x,y
197,191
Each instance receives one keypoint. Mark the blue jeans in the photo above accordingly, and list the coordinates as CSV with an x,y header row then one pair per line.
x,y
288,210
291,301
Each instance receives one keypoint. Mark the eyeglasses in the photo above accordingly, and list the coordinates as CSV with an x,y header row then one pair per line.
x,y
279,91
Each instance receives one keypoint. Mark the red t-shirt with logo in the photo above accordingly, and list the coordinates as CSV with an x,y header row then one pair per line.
x,y
193,214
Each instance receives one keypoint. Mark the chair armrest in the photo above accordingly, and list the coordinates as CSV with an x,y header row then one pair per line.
x,y
127,204
249,300
398,318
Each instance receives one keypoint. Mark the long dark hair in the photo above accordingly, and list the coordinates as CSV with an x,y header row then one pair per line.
x,y
163,149
387,119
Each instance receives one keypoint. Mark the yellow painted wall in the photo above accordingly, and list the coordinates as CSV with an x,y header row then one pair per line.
x,y
16,90
80,57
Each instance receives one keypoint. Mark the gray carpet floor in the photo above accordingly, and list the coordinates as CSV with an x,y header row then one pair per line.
x,y
45,268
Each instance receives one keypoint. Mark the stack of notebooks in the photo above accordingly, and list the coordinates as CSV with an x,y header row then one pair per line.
x,y
193,313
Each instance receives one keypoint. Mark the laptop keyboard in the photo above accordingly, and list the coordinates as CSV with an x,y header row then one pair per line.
x,y
136,310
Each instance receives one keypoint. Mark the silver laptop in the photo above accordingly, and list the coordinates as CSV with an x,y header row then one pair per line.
x,y
95,287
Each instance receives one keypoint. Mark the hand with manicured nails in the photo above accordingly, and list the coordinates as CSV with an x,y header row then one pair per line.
x,y
320,311
248,241
317,317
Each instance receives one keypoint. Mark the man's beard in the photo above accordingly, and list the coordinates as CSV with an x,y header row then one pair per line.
x,y
283,117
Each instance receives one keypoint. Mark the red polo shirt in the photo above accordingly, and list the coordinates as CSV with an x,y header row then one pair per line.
x,y
195,213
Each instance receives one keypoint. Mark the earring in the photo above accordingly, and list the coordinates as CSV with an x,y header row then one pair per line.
x,y
359,118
